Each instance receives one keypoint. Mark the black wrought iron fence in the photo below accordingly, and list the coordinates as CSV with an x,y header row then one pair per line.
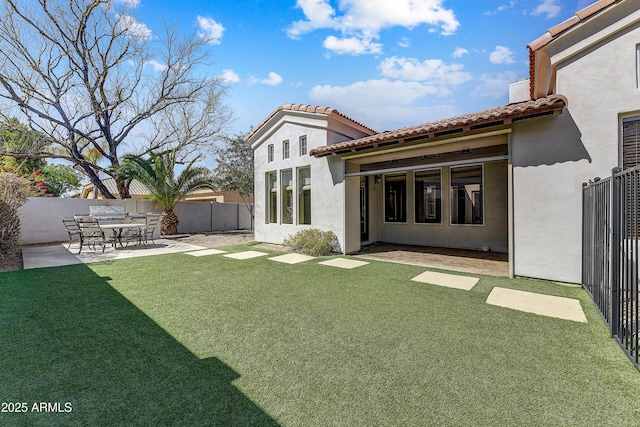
x,y
611,253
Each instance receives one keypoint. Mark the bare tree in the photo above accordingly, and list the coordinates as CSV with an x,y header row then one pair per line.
x,y
96,83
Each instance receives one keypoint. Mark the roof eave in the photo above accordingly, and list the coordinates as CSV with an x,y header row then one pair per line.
x,y
555,106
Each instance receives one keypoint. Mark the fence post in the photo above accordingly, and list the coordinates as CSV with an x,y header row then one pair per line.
x,y
616,244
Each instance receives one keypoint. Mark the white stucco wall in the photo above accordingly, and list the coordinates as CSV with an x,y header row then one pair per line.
x,y
327,175
553,156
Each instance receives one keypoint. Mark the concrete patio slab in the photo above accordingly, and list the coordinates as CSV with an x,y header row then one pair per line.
x,y
344,263
447,280
292,258
206,252
57,255
246,255
544,305
455,260
49,256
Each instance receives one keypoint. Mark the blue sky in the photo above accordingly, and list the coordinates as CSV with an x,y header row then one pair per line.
x,y
384,63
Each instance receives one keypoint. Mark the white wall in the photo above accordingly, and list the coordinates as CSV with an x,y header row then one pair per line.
x,y
552,157
327,176
41,218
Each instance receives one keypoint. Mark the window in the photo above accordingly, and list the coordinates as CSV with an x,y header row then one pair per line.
x,y
303,145
428,200
630,142
285,149
395,197
638,66
304,195
466,195
270,153
286,183
272,197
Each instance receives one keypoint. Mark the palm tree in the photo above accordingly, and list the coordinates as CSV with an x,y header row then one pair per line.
x,y
158,173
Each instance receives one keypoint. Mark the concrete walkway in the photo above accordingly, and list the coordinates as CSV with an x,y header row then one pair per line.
x,y
56,255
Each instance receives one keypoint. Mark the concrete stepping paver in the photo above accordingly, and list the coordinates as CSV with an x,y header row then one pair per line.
x,y
343,263
447,280
544,305
292,258
246,255
206,252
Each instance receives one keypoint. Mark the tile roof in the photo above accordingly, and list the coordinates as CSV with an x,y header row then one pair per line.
x,y
306,109
579,16
556,31
492,117
135,189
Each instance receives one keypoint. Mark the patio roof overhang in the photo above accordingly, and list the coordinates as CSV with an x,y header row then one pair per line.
x,y
451,128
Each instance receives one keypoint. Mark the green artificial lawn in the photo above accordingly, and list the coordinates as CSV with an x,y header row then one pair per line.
x,y
190,341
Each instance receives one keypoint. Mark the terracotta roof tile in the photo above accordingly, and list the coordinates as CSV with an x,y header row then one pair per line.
x,y
304,108
578,17
466,122
556,31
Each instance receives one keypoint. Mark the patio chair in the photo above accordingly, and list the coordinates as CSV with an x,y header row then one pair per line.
x,y
85,232
133,234
149,230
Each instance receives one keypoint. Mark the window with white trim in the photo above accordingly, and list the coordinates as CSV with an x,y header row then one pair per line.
x,y
303,145
467,195
428,197
638,66
630,142
270,153
395,197
304,195
272,198
286,195
285,149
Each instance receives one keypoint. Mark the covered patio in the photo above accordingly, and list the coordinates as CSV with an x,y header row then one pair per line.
x,y
467,261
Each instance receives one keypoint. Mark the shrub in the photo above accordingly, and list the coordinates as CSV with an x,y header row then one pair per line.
x,y
313,242
13,194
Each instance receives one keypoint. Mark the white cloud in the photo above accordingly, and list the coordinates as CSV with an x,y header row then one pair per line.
x,y
274,79
404,42
459,52
229,76
136,29
384,104
501,55
494,86
502,8
434,71
550,8
364,19
210,30
157,66
129,3
381,92
351,45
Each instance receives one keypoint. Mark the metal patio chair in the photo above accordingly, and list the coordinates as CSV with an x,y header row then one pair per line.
x,y
149,230
87,233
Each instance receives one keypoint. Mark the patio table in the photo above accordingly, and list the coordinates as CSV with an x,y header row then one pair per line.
x,y
117,228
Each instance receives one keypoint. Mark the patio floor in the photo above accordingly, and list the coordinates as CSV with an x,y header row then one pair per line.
x,y
56,254
477,262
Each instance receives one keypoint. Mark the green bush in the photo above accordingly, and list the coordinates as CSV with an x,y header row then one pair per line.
x,y
313,242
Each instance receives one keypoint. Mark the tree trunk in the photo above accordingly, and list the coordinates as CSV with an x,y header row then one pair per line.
x,y
123,189
169,223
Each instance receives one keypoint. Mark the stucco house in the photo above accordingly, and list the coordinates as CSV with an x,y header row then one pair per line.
x,y
506,179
